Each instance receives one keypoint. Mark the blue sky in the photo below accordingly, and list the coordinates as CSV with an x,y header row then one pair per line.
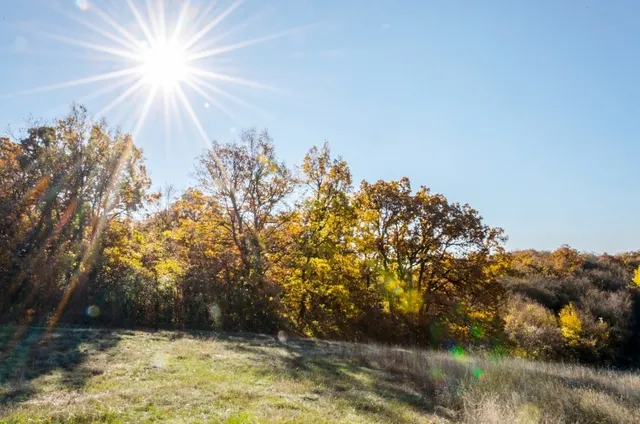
x,y
529,111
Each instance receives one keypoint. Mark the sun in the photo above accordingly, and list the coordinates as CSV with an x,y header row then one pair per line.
x,y
164,65
160,51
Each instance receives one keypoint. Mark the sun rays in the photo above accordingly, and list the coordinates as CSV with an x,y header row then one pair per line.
x,y
162,54
159,53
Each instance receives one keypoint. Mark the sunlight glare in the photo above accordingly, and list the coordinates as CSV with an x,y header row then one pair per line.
x,y
163,64
164,48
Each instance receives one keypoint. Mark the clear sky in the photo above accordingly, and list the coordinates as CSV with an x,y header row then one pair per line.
x,y
527,110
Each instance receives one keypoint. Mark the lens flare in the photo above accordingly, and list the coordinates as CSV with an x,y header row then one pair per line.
x,y
478,372
159,361
149,49
477,331
215,313
82,4
436,373
457,352
93,311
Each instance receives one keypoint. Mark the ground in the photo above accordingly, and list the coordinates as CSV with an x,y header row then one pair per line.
x,y
83,375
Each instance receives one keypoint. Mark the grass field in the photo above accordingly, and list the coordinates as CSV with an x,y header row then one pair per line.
x,y
81,376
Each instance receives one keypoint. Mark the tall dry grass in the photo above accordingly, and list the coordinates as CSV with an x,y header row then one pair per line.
x,y
486,389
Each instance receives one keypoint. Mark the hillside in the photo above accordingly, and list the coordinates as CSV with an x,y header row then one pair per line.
x,y
78,375
84,241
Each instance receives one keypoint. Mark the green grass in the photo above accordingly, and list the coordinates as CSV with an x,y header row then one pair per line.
x,y
84,376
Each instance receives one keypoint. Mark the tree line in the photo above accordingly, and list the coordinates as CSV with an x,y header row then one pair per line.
x,y
258,246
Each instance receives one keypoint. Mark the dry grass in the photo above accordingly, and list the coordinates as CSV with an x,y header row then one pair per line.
x,y
508,390
131,376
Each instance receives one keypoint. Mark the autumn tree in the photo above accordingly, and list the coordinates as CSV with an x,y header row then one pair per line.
x,y
199,236
14,202
250,186
325,294
259,247
432,257
69,180
566,260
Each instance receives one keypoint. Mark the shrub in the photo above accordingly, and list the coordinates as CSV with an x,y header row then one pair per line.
x,y
532,328
613,308
540,288
570,325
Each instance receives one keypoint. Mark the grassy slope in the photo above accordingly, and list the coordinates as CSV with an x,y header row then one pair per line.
x,y
131,376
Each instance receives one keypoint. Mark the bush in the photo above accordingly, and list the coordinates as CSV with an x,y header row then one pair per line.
x,y
532,328
539,288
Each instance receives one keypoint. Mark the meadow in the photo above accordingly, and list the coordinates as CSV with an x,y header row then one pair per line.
x,y
119,376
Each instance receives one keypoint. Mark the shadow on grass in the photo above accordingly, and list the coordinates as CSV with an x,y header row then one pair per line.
x,y
336,370
28,353
356,383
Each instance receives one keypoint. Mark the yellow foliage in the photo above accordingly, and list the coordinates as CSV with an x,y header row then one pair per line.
x,y
570,325
481,315
405,300
636,277
458,331
566,260
411,301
